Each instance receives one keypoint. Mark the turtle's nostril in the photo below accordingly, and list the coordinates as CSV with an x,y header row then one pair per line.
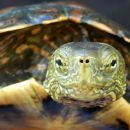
x,y
84,61
87,61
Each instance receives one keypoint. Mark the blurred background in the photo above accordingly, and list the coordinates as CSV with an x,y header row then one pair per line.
x,y
117,10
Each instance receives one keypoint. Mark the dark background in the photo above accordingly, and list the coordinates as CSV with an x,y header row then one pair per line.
x,y
117,10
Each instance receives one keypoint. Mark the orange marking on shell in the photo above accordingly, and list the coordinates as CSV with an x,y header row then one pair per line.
x,y
67,37
6,10
21,48
3,54
36,30
127,58
75,19
21,56
1,42
8,38
5,60
34,48
45,53
53,45
48,40
21,37
76,15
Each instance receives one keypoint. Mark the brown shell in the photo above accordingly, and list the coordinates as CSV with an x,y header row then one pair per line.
x,y
22,17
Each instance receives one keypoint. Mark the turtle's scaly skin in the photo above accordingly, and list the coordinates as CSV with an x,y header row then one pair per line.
x,y
86,73
28,37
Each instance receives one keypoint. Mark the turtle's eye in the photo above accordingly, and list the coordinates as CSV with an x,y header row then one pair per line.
x,y
61,65
59,62
111,64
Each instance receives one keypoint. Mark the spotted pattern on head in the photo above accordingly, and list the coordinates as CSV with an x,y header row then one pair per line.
x,y
95,83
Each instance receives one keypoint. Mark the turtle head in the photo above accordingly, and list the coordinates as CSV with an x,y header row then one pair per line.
x,y
86,74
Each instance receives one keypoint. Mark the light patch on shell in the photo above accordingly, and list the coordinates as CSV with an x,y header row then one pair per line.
x,y
16,27
61,18
127,39
21,48
101,26
121,33
5,60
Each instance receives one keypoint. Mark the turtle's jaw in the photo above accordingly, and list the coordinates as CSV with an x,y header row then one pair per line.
x,y
90,96
84,93
101,102
87,101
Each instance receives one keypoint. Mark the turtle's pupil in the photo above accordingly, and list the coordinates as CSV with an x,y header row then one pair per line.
x,y
59,62
113,62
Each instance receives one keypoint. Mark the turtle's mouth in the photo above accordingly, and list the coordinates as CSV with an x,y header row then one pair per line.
x,y
101,102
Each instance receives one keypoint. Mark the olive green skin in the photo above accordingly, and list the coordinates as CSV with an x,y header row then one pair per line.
x,y
86,74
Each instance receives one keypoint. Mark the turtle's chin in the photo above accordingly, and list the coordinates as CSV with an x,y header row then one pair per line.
x,y
99,102
92,95
88,97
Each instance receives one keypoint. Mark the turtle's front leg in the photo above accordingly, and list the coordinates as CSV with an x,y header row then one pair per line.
x,y
123,111
119,110
27,95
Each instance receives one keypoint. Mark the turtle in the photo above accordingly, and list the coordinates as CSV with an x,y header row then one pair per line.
x,y
63,66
